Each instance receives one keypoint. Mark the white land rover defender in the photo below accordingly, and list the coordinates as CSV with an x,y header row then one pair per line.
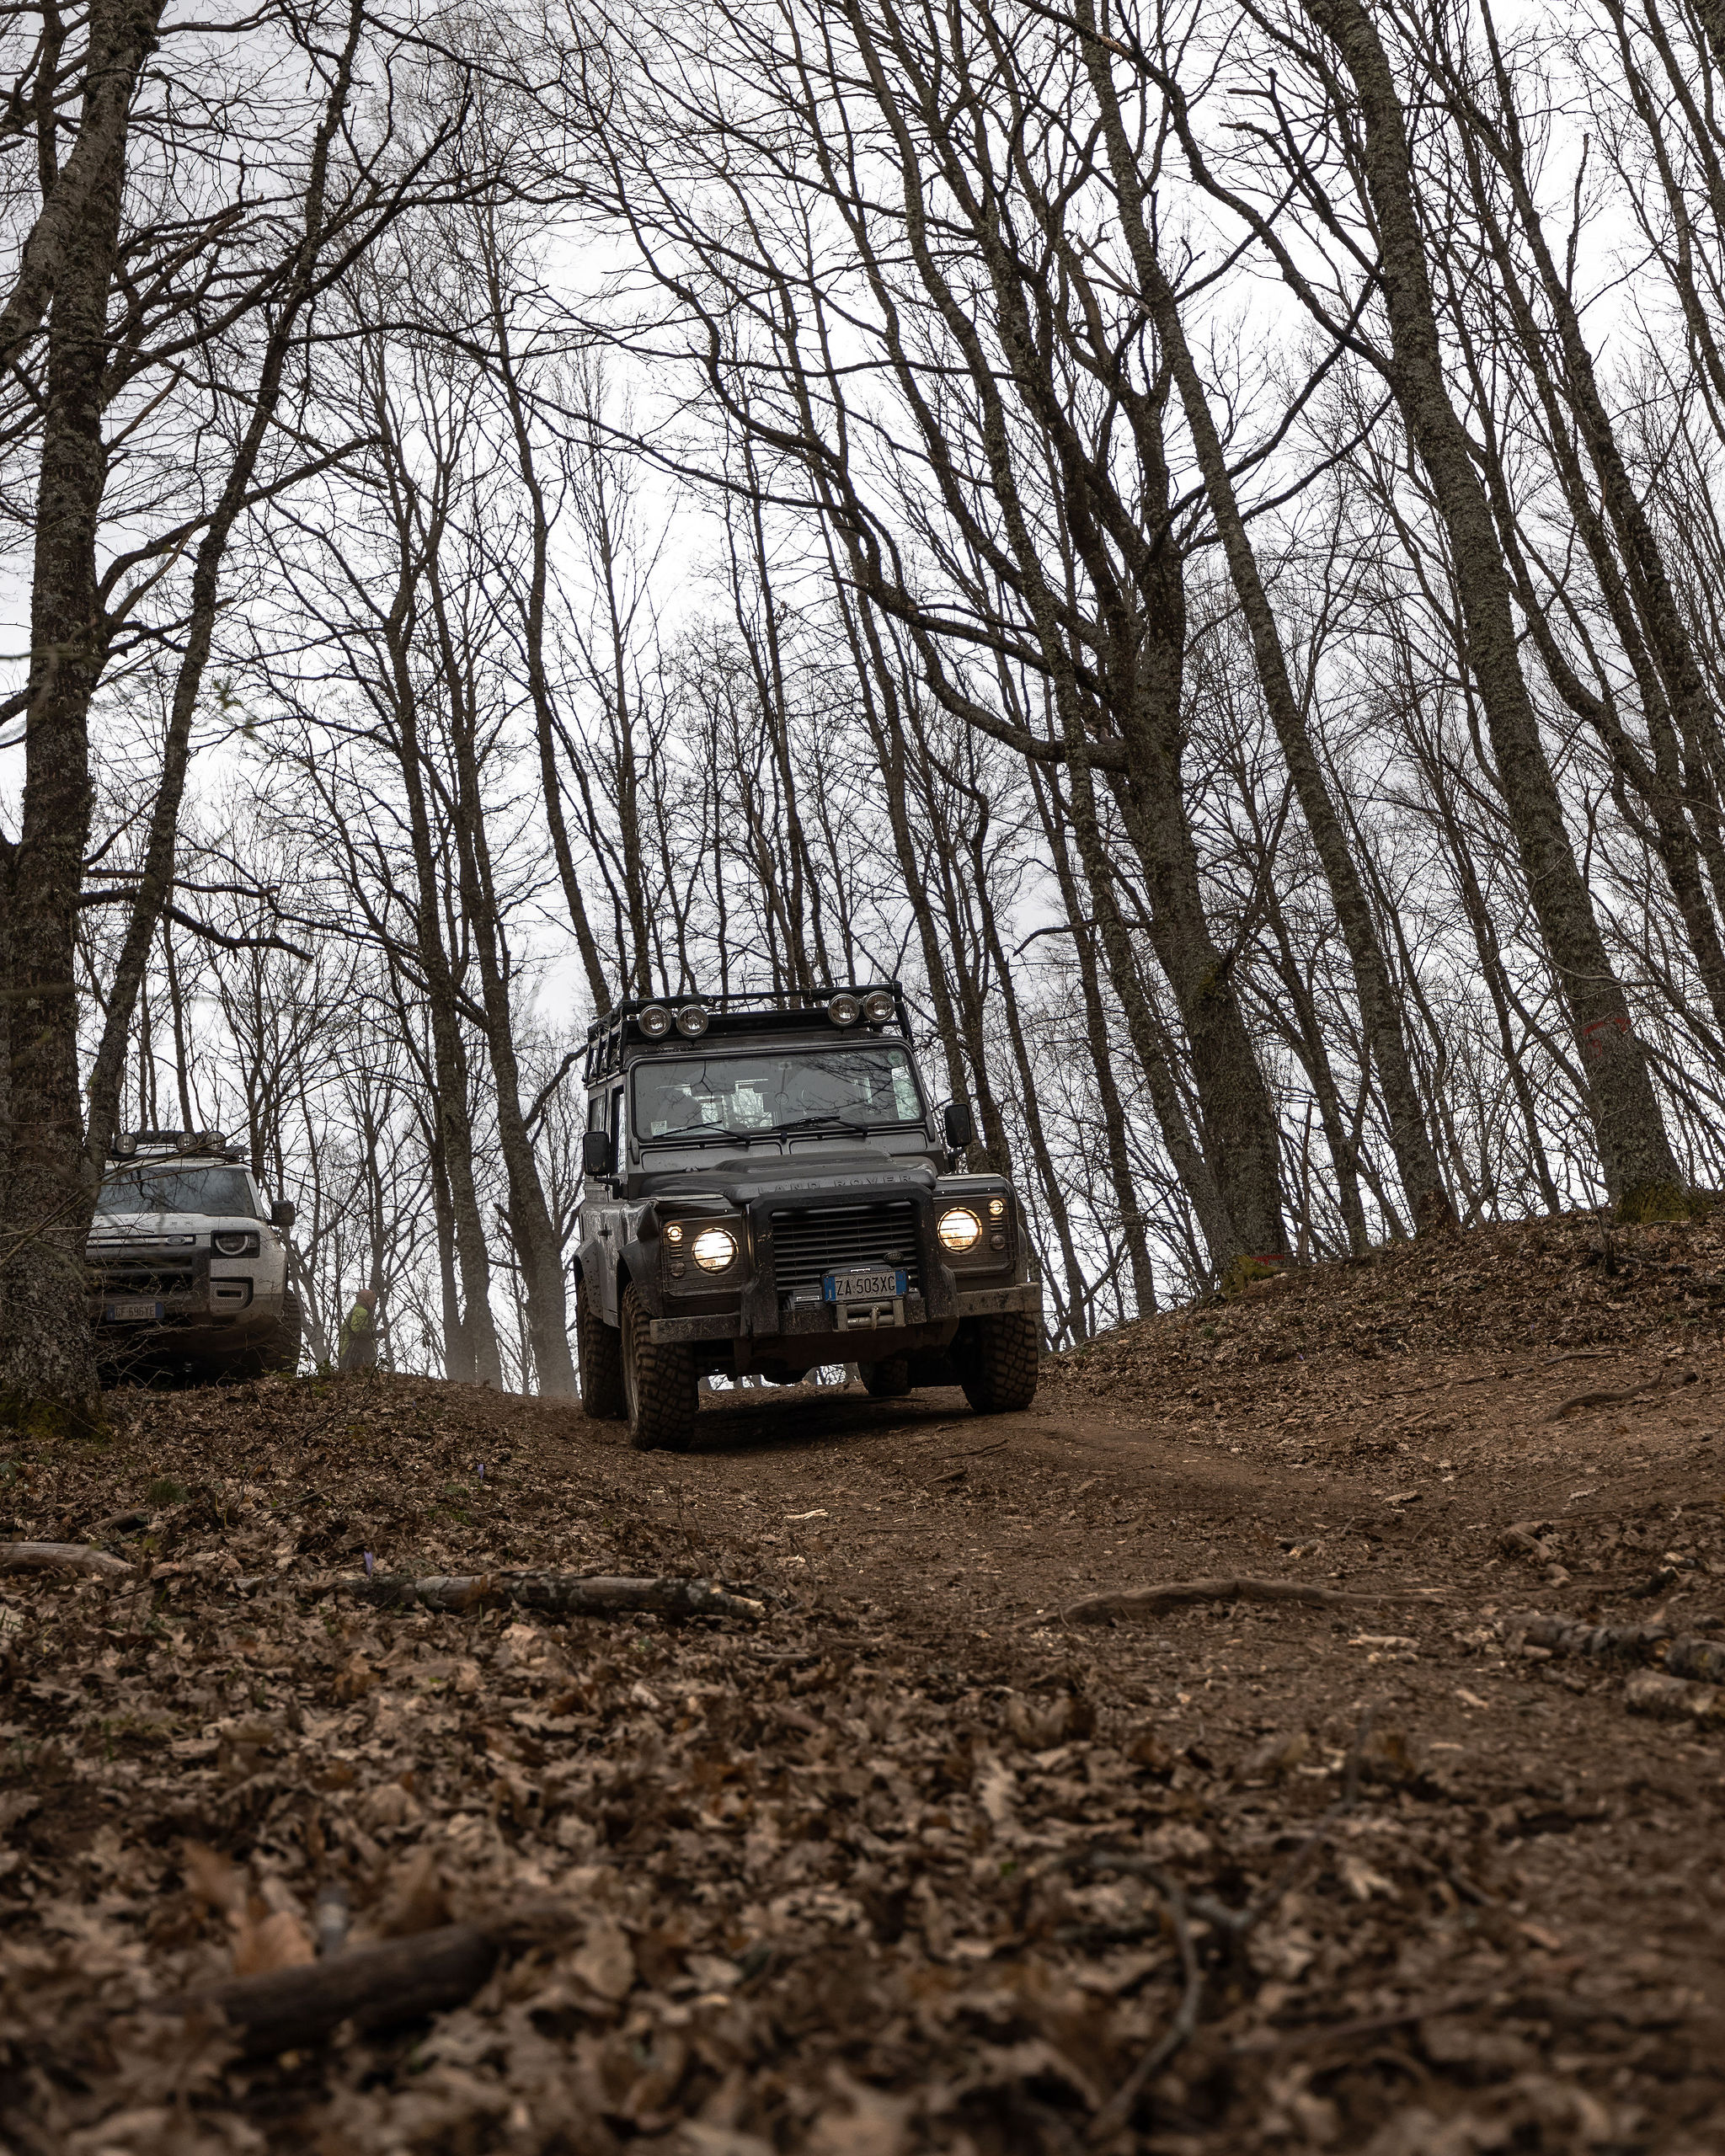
x,y
188,1266
766,1189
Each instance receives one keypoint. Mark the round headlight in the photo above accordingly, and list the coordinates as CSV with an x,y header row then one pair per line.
x,y
691,1021
958,1229
844,1010
714,1249
879,1007
655,1021
234,1242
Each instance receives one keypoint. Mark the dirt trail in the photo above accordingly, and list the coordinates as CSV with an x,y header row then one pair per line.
x,y
834,1884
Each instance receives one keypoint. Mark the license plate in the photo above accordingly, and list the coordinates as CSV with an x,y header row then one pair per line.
x,y
865,1287
134,1313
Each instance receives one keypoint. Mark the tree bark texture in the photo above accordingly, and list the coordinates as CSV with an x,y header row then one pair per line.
x,y
1415,1158
47,1363
477,1355
1641,1173
536,1238
1134,1227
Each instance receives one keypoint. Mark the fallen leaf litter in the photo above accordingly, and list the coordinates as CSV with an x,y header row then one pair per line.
x,y
883,1871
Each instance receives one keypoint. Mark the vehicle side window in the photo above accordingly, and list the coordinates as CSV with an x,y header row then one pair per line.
x,y
597,1110
618,1134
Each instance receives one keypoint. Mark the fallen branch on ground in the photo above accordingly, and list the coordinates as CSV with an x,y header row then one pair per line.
x,y
558,1594
1236,1925
400,1980
1677,1654
1661,1384
57,1557
1177,1594
1674,1698
1117,2110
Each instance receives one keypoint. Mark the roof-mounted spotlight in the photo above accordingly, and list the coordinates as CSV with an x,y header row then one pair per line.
x,y
691,1021
879,1007
655,1021
844,1010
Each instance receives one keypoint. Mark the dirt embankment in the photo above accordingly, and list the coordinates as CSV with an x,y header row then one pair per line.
x,y
916,1864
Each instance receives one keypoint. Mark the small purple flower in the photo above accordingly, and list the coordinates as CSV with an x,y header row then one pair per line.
x,y
368,1564
481,1470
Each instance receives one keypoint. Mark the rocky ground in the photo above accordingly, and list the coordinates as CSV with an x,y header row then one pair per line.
x,y
917,1862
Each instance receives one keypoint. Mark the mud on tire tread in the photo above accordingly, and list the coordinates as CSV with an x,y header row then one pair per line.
x,y
660,1398
280,1349
887,1379
998,1365
599,1360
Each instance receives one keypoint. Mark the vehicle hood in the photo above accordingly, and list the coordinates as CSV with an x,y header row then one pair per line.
x,y
154,1227
830,1172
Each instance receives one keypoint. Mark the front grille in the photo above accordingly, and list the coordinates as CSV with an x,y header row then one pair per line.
x,y
810,1243
138,1280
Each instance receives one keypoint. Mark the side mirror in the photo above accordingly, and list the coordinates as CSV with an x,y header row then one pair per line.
x,y
281,1213
595,1153
959,1124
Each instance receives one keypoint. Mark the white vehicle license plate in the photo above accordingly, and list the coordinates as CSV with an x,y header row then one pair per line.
x,y
865,1287
134,1313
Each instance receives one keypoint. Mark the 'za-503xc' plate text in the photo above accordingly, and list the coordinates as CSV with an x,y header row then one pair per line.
x,y
864,1286
133,1313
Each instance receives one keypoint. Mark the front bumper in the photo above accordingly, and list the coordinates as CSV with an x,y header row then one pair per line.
x,y
200,1310
802,1323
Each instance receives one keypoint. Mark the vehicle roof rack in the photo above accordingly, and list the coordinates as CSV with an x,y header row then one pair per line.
x,y
169,1144
741,1011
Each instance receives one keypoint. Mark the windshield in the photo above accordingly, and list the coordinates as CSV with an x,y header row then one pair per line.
x,y
177,1190
764,1091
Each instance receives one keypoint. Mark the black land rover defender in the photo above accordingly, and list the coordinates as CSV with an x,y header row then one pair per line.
x,y
766,1190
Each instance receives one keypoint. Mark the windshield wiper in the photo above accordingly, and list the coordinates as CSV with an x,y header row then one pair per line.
x,y
813,1121
703,1133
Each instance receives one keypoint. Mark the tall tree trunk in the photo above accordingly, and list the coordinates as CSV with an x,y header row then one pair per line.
x,y
48,1382
1241,1142
1053,1195
1187,1160
1681,722
1415,1159
478,1354
533,620
538,1248
1641,1172
156,885
877,674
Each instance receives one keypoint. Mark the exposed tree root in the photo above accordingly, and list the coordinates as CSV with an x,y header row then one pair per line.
x,y
1177,1594
1661,1384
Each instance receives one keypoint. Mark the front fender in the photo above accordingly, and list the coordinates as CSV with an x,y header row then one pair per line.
x,y
639,1262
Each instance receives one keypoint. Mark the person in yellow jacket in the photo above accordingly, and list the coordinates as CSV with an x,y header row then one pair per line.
x,y
358,1333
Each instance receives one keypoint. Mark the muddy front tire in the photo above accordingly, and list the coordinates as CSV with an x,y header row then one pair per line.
x,y
279,1350
997,1363
660,1393
599,1355
888,1379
